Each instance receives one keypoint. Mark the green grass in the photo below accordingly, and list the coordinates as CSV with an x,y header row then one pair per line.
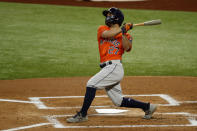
x,y
60,41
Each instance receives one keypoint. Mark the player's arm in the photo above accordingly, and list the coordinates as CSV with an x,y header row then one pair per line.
x,y
111,33
127,43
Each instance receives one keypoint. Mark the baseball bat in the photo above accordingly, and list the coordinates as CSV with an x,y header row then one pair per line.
x,y
149,23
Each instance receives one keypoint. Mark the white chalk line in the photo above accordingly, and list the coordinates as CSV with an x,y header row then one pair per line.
x,y
179,113
27,127
17,101
126,126
53,121
172,101
188,102
40,105
193,121
56,124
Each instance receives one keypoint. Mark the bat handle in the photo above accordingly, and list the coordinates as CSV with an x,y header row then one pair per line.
x,y
139,24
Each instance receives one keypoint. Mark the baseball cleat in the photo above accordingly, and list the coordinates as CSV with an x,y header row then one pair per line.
x,y
77,118
150,111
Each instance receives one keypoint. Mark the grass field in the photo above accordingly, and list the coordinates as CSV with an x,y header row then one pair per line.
x,y
60,41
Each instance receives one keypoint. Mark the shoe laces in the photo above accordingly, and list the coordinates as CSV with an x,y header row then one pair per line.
x,y
78,114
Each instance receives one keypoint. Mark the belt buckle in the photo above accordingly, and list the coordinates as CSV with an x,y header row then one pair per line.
x,y
105,64
102,65
110,62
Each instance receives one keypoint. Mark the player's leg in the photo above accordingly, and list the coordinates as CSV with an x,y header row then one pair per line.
x,y
82,114
98,81
115,93
132,103
89,97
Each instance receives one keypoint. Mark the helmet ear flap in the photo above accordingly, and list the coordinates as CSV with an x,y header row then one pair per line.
x,y
105,12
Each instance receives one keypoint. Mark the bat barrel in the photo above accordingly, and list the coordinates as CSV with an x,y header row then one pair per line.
x,y
152,22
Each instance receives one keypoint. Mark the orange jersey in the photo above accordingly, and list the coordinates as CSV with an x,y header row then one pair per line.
x,y
110,48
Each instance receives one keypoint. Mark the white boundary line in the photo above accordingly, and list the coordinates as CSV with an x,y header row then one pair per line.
x,y
172,101
17,101
188,102
127,126
26,127
57,124
40,105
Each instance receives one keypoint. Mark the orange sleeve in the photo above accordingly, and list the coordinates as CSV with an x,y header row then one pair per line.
x,y
101,29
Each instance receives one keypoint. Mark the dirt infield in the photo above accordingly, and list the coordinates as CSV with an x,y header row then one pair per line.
x,y
44,104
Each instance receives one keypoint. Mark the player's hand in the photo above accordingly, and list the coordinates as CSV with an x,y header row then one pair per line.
x,y
126,27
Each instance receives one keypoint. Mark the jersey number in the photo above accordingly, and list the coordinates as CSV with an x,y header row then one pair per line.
x,y
113,50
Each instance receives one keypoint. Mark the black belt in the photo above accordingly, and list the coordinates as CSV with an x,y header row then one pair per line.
x,y
105,64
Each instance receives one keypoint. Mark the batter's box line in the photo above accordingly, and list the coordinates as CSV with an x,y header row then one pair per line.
x,y
40,105
188,102
57,124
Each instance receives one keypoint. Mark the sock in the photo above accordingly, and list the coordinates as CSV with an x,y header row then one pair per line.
x,y
89,97
128,102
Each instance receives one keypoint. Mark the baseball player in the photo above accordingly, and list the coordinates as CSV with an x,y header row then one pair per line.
x,y
113,41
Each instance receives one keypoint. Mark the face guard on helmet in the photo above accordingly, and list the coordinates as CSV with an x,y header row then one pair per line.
x,y
116,16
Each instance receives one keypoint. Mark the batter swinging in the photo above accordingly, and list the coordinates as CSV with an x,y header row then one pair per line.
x,y
113,40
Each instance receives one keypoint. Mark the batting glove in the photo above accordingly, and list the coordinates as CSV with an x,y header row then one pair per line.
x,y
126,27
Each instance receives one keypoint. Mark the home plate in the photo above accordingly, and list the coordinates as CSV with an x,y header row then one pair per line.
x,y
110,111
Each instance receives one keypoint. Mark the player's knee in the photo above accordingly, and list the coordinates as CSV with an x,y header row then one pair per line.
x,y
117,102
90,84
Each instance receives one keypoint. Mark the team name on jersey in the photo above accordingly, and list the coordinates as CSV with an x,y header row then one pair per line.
x,y
112,41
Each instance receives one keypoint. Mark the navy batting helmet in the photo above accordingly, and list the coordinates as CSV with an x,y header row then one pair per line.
x,y
117,16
